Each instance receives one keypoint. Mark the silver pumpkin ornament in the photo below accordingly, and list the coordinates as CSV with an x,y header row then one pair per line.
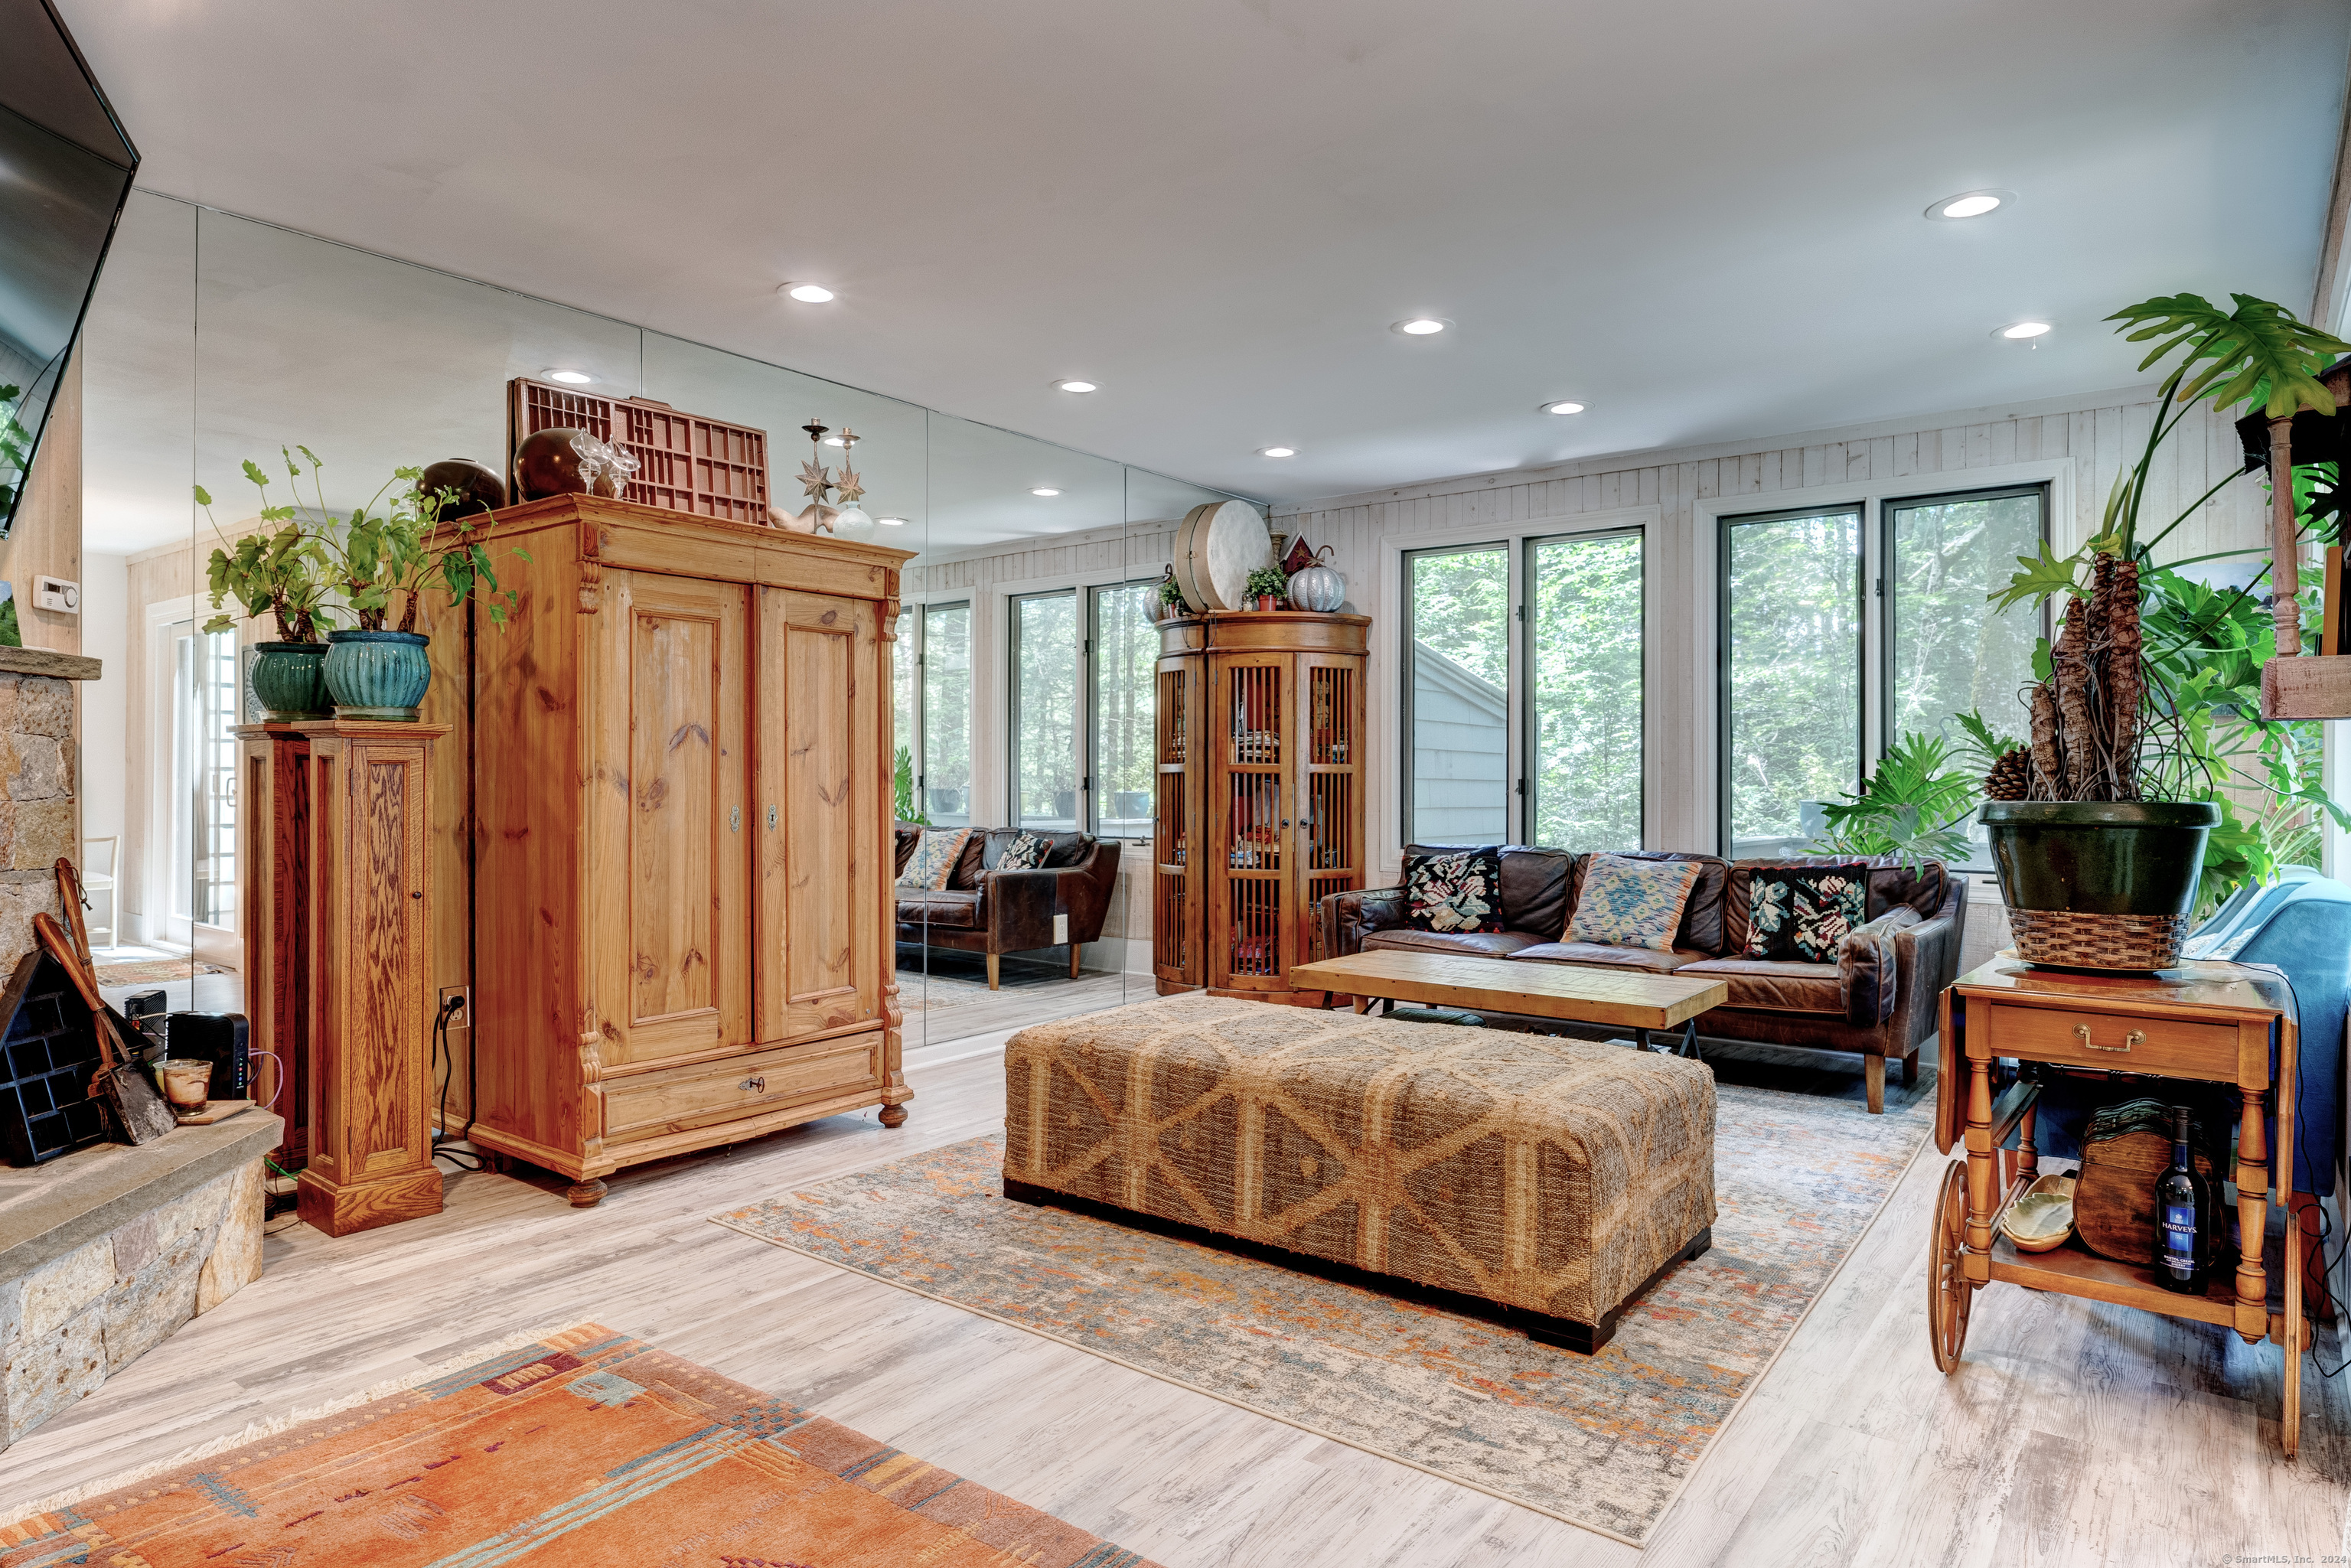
x,y
1318,586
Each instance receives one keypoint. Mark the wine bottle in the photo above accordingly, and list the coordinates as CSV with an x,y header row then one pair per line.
x,y
2183,1213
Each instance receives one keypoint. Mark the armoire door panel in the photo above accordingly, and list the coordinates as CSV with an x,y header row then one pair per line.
x,y
817,788
683,981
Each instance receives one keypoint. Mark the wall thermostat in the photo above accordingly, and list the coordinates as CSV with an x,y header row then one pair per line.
x,y
57,593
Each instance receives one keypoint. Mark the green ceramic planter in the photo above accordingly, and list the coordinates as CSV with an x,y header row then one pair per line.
x,y
290,679
2100,857
377,675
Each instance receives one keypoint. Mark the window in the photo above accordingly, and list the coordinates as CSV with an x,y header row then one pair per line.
x,y
1572,686
1792,612
1799,642
940,752
1947,650
1082,692
1044,688
1457,695
1583,743
1124,644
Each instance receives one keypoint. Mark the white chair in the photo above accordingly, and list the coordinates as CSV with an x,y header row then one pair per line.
x,y
94,882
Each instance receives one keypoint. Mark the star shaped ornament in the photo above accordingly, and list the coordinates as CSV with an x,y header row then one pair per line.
x,y
815,480
850,485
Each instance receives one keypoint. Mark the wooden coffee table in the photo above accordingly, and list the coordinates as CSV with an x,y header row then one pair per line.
x,y
1623,999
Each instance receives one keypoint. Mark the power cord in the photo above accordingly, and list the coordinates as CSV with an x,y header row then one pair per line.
x,y
447,1068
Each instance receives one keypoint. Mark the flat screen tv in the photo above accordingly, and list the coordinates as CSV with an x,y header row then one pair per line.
x,y
65,173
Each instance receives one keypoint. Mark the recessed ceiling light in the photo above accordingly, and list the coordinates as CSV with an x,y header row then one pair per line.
x,y
1560,408
806,293
570,378
1421,325
1277,452
1044,490
1075,386
1971,204
891,522
2019,332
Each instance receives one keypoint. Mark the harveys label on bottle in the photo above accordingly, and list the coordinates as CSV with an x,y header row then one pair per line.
x,y
2179,1239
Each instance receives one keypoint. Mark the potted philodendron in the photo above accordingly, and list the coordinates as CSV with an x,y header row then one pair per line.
x,y
282,571
376,671
1266,585
2103,821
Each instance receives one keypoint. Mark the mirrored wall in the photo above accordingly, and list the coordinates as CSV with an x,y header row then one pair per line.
x,y
1021,692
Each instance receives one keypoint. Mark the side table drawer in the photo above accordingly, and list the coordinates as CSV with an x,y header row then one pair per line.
x,y
2114,1041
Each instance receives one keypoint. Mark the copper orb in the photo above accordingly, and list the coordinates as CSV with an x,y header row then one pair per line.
x,y
547,464
478,487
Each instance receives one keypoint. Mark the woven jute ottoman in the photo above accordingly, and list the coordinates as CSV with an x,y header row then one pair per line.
x,y
1541,1182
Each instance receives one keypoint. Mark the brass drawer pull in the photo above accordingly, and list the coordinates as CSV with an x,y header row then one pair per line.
x,y
752,1083
2081,1033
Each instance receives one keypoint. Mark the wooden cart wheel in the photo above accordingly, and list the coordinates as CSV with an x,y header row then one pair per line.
x,y
1948,1294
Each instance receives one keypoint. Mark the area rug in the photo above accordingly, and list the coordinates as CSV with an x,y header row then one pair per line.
x,y
1605,1441
583,1450
152,971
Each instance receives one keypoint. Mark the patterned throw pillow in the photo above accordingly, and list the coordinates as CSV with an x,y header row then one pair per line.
x,y
1459,891
935,854
1800,914
1026,852
1632,903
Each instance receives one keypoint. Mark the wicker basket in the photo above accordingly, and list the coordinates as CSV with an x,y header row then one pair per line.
x,y
2077,941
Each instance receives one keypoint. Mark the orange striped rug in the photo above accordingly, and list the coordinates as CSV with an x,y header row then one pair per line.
x,y
584,1450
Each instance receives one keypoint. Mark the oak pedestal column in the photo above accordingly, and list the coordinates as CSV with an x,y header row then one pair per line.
x,y
346,914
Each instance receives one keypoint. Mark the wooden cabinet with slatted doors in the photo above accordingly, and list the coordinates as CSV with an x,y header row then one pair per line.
x,y
1260,803
672,811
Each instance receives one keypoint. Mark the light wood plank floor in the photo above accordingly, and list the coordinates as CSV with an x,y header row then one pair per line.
x,y
2074,1434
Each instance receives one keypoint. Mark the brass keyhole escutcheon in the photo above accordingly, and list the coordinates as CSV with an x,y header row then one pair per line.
x,y
735,820
771,818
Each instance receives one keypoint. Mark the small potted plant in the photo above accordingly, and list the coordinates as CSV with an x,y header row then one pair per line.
x,y
1266,585
379,671
1171,598
283,572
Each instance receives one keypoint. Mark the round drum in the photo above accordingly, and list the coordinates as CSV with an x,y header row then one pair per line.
x,y
1217,545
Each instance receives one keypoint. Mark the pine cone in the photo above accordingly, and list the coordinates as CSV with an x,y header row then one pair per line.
x,y
2010,776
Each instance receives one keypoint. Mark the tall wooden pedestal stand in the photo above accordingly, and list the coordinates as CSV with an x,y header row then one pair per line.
x,y
338,929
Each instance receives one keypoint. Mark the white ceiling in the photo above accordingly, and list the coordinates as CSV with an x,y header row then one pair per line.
x,y
1702,219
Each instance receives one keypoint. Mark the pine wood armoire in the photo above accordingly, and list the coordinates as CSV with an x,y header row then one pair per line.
x,y
663,826
1261,795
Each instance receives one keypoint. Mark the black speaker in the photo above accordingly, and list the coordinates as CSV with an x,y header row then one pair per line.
x,y
219,1039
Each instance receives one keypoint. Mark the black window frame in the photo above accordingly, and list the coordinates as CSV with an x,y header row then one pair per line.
x,y
1859,511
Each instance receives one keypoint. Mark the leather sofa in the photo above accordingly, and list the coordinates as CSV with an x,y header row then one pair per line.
x,y
1878,999
985,910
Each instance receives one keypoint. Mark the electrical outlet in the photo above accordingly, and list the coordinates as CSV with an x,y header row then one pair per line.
x,y
1060,929
463,996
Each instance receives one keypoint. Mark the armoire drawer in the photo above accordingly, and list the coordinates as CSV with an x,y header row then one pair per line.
x,y
648,1105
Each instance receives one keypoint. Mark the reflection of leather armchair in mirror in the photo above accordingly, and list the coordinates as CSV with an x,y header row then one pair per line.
x,y
984,910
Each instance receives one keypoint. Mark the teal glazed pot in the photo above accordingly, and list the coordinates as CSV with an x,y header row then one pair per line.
x,y
290,679
377,675
2100,857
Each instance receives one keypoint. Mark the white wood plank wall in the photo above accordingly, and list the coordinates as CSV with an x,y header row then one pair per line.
x,y
2079,444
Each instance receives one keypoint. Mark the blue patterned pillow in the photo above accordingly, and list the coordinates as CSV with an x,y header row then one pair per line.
x,y
934,857
1800,914
1458,891
1632,903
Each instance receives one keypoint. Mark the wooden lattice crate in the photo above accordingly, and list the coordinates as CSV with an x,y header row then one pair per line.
x,y
685,463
